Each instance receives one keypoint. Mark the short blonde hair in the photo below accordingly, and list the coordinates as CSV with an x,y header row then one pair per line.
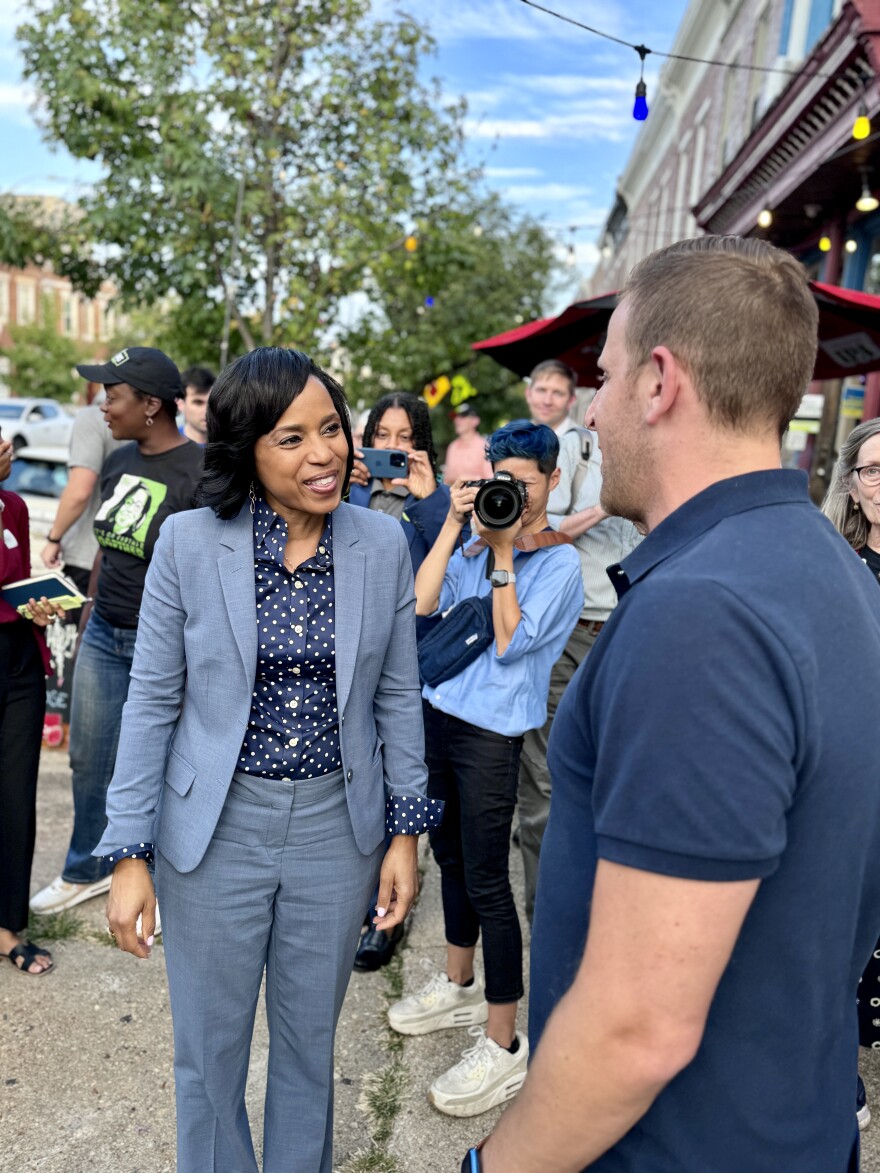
x,y
838,506
739,315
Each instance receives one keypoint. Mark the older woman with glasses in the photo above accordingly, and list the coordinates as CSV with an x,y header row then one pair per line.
x,y
852,504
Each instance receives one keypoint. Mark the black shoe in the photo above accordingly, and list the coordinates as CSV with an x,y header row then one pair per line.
x,y
377,948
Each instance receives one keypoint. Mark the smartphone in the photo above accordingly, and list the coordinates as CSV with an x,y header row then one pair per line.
x,y
385,463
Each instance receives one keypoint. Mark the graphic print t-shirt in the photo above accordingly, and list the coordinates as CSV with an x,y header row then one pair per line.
x,y
137,493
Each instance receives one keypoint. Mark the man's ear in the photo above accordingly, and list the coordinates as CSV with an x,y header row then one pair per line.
x,y
666,374
554,478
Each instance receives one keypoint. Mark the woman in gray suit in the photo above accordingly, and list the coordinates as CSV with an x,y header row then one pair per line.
x,y
272,731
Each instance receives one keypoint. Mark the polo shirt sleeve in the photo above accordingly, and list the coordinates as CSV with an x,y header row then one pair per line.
x,y
695,713
560,502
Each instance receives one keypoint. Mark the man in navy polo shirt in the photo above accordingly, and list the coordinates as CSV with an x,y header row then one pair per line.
x,y
709,888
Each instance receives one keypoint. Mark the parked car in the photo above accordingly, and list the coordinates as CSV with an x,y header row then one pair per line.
x,y
39,476
30,422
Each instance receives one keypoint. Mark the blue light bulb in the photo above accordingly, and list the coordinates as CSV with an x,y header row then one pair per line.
x,y
640,109
429,301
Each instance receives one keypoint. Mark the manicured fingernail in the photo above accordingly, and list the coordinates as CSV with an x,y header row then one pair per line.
x,y
150,941
380,912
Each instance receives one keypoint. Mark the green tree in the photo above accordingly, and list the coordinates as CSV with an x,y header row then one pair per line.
x,y
262,150
480,268
42,359
36,232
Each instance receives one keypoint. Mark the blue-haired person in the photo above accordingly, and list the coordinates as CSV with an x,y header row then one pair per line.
x,y
474,726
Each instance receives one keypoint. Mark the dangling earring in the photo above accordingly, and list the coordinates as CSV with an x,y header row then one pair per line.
x,y
252,493
149,421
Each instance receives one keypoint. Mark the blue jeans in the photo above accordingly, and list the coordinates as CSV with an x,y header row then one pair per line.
x,y
100,689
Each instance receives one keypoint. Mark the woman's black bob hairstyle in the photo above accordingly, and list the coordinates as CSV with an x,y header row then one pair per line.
x,y
246,402
419,417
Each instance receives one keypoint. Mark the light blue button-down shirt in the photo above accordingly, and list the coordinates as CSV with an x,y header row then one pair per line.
x,y
507,694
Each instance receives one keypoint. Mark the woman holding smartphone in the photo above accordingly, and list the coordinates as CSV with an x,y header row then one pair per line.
x,y
399,422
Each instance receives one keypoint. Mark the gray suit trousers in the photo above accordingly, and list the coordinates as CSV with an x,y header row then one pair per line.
x,y
282,887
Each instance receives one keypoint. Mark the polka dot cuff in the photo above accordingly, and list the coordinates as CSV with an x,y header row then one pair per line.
x,y
133,851
412,816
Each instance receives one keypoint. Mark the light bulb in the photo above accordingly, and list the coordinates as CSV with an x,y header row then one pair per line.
x,y
851,245
765,218
640,109
866,201
824,244
862,125
411,244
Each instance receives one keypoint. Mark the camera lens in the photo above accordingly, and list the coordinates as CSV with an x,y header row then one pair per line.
x,y
398,460
498,505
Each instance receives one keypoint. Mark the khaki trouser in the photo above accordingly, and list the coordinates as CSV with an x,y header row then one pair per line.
x,y
533,798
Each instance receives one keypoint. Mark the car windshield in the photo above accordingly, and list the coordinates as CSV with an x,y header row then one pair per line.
x,y
40,478
10,411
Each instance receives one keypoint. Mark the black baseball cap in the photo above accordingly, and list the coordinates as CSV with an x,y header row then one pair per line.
x,y
143,367
465,409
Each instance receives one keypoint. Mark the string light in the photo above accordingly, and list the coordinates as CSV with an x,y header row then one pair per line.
x,y
824,244
862,125
741,65
851,245
765,218
411,244
867,202
640,109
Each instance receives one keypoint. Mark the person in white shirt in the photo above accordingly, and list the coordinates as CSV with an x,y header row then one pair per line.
x,y
550,394
573,509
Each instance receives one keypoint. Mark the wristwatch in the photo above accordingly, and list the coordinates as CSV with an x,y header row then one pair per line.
x,y
499,578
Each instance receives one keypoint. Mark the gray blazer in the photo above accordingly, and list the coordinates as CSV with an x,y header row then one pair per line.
x,y
193,675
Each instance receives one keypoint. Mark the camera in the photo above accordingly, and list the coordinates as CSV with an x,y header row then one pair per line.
x,y
500,501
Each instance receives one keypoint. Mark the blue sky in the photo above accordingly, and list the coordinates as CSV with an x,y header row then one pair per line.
x,y
550,106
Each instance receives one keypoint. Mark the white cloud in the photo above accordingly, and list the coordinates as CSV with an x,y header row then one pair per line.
x,y
594,122
566,85
513,172
543,192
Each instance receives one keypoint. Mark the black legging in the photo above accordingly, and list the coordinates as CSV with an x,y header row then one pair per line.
x,y
22,707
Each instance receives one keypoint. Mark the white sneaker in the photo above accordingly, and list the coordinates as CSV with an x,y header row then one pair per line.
x,y
486,1076
59,895
438,1005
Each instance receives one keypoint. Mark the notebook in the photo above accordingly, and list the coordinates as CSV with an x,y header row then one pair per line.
x,y
55,587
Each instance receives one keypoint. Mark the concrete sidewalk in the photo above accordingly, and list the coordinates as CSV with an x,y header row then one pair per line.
x,y
86,1054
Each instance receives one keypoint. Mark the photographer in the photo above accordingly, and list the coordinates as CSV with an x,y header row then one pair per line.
x,y
474,726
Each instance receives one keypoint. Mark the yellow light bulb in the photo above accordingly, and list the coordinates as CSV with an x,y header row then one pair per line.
x,y
824,244
862,125
765,218
411,244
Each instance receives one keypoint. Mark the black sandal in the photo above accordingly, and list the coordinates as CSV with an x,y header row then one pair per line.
x,y
29,953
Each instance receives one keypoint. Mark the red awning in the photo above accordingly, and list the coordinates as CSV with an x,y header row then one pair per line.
x,y
849,336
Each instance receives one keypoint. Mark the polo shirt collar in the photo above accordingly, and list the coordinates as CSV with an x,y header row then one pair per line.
x,y
695,517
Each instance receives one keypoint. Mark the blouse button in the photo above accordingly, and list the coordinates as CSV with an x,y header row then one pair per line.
x,y
293,742
296,671
321,550
297,627
298,585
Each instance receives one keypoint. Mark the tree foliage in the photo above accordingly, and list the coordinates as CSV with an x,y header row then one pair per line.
x,y
42,359
37,232
305,121
484,268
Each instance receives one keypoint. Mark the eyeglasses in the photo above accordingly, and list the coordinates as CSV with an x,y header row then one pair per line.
x,y
869,475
